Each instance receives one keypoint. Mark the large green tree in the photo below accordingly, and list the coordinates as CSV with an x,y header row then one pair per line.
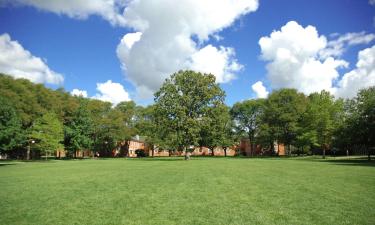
x,y
247,117
282,113
184,101
48,133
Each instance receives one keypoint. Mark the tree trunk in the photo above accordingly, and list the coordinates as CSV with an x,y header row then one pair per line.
x,y
324,152
187,154
225,151
212,151
28,152
369,154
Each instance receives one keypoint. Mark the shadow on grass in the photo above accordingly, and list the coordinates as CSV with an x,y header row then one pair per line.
x,y
7,164
351,162
166,159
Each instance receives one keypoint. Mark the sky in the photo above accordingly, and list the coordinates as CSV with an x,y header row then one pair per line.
x,y
121,50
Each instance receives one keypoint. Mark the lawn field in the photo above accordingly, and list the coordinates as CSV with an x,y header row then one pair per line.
x,y
199,191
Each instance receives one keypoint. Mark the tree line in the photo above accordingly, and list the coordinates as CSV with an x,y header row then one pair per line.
x,y
189,110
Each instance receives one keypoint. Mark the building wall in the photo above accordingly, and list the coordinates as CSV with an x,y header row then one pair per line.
x,y
280,149
136,145
246,148
198,151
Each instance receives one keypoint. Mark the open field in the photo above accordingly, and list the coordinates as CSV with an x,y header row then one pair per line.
x,y
199,191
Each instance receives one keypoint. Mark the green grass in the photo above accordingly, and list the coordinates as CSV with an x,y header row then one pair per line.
x,y
199,191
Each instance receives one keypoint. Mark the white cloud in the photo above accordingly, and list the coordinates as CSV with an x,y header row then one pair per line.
x,y
167,44
110,10
20,63
111,92
260,90
80,93
371,2
169,33
337,46
293,55
220,62
362,76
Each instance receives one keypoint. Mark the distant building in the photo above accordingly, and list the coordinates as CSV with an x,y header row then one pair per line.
x,y
246,148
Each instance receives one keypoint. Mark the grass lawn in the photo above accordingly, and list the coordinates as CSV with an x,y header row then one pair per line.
x,y
199,191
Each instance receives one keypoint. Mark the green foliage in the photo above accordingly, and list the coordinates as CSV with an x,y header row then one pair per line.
x,y
216,129
79,130
11,133
183,103
140,153
188,110
48,133
247,119
282,114
322,116
365,117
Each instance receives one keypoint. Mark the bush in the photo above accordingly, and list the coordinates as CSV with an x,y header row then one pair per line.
x,y
140,153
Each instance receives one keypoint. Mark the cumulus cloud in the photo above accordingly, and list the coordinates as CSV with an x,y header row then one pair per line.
x,y
337,46
79,93
110,10
293,59
362,76
111,92
171,37
219,61
20,63
260,90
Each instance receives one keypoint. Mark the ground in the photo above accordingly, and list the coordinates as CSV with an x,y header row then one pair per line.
x,y
199,191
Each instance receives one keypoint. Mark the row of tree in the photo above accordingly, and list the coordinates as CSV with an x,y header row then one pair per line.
x,y
189,110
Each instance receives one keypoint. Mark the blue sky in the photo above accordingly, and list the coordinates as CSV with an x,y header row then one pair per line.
x,y
80,44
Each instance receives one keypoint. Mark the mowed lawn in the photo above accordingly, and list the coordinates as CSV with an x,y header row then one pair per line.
x,y
199,191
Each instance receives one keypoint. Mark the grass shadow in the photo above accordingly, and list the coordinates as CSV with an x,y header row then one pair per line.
x,y
351,162
166,159
7,164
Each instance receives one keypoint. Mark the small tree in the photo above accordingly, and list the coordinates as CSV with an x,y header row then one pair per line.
x,y
48,133
79,130
215,130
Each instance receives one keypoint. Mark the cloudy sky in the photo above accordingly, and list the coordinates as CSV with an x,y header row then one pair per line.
x,y
117,50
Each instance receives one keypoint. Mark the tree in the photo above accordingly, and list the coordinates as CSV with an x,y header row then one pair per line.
x,y
146,125
247,116
282,113
48,133
78,131
128,123
364,118
323,112
183,103
11,133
